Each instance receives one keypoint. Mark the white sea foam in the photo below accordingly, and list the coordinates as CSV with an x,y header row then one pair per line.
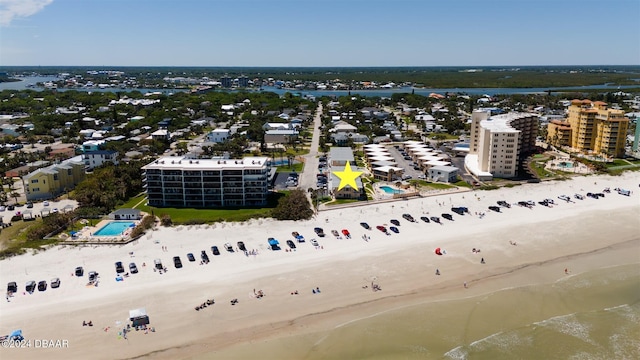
x,y
458,353
569,325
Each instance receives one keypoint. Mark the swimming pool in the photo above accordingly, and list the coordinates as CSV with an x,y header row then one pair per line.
x,y
114,228
565,164
390,190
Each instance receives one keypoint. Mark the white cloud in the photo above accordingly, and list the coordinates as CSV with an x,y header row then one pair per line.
x,y
11,9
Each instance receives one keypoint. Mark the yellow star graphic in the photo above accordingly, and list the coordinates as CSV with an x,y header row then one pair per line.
x,y
347,177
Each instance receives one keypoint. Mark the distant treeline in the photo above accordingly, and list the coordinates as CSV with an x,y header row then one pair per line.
x,y
429,77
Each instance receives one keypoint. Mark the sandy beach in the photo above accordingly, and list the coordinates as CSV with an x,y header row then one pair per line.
x,y
579,236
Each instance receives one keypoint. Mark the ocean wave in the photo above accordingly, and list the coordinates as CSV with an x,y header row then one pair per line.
x,y
458,353
568,325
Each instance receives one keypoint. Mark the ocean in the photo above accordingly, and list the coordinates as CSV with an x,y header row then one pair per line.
x,y
593,315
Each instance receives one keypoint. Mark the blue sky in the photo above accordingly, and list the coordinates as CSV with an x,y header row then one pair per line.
x,y
319,32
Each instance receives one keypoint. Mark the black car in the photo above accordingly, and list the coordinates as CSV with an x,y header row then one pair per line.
x,y
395,222
241,246
394,229
494,208
79,271
119,267
447,216
31,286
504,204
204,257
11,207
424,218
458,210
435,219
177,262
55,283
215,250
12,287
319,231
133,268
408,217
42,285
190,257
29,205
291,244
365,225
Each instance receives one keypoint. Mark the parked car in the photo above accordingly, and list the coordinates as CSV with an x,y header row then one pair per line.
x,y
55,283
435,219
119,267
394,229
365,225
447,216
11,207
578,196
29,205
228,247
79,271
46,203
133,268
12,287
31,286
494,208
395,222
504,204
158,264
408,217
319,231
314,242
291,244
241,246
424,218
177,262
564,197
190,257
93,276
215,250
2,208
204,257
42,285
382,228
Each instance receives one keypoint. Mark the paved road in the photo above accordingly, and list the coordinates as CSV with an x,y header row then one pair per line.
x,y
308,177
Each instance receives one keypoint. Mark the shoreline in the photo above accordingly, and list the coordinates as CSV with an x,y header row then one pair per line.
x,y
549,240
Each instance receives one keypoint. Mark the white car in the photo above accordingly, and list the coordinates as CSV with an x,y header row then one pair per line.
x,y
2,208
314,242
46,203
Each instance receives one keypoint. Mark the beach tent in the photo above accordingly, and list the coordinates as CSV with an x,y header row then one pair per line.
x,y
139,317
438,252
273,242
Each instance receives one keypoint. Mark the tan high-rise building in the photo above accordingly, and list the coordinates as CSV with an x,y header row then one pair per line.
x,y
594,127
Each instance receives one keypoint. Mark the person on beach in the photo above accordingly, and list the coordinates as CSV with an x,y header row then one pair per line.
x,y
437,271
465,284
482,261
566,271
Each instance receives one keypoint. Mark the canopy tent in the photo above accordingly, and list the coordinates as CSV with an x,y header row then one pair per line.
x,y
139,317
438,251
273,242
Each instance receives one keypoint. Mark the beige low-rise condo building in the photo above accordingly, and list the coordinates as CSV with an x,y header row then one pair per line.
x,y
207,183
500,143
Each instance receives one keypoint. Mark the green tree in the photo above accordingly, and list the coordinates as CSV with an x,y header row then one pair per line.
x,y
294,206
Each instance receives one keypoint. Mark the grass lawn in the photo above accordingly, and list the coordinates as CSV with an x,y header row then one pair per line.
x,y
617,162
297,167
342,201
432,185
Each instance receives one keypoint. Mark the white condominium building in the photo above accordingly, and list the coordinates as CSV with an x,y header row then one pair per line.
x,y
207,183
499,143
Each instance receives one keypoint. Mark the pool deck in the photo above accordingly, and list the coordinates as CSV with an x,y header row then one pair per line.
x,y
85,235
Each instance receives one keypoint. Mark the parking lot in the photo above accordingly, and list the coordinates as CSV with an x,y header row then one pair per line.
x,y
406,164
39,209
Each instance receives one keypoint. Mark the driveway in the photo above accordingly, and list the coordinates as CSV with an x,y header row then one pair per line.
x,y
308,176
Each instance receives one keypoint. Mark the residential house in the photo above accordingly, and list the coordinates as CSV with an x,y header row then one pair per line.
x,y
94,159
218,135
280,136
443,173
